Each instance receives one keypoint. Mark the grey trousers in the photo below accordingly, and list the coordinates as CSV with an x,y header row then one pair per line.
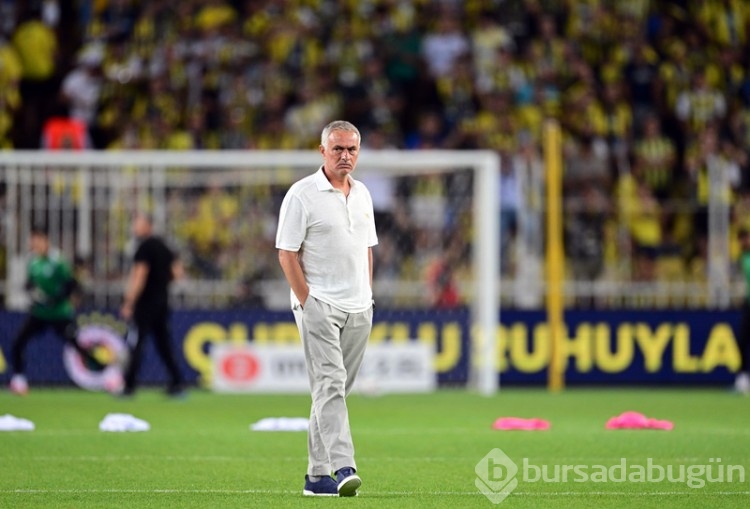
x,y
334,343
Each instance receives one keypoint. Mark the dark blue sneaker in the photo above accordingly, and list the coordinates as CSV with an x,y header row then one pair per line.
x,y
176,392
347,482
326,487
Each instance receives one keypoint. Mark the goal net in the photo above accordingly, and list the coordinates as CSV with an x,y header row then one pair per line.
x,y
437,214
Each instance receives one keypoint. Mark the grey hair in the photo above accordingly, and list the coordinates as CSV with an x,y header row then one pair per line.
x,y
338,125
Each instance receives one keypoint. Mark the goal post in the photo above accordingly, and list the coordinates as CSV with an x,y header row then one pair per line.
x,y
89,196
485,307
555,255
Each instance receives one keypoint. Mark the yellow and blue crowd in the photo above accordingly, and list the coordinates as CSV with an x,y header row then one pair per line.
x,y
652,96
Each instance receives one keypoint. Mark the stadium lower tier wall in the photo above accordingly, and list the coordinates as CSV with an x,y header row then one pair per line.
x,y
604,347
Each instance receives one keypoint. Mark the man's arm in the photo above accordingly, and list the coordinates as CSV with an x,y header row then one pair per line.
x,y
136,282
295,277
369,263
68,289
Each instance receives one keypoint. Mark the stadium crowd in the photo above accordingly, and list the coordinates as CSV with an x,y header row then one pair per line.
x,y
653,97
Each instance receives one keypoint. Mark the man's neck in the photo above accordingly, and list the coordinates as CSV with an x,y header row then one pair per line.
x,y
342,185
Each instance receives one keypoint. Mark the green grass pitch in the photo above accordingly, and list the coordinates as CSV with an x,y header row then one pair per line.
x,y
412,450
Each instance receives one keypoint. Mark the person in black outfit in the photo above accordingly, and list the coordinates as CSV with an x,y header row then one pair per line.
x,y
146,304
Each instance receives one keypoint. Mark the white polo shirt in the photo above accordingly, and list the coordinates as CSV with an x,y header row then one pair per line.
x,y
332,234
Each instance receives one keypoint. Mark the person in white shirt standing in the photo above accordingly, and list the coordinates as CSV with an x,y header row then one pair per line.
x,y
82,86
325,237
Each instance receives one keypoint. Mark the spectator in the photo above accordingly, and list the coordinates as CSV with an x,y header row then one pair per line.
x,y
440,275
65,133
36,45
82,86
706,166
318,102
10,99
118,19
382,186
510,203
645,225
457,92
674,76
489,39
503,74
372,101
617,118
214,15
430,132
584,236
586,166
724,22
549,47
443,46
640,74
7,18
655,157
402,50
587,183
701,105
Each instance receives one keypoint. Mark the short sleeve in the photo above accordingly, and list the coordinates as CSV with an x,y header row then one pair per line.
x,y
292,224
142,253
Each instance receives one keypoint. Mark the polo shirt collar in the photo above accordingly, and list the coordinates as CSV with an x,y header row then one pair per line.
x,y
322,183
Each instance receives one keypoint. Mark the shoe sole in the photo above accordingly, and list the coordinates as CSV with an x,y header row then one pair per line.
x,y
349,485
309,493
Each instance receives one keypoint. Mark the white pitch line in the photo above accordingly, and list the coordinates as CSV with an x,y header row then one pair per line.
x,y
377,459
693,493
235,458
624,493
156,458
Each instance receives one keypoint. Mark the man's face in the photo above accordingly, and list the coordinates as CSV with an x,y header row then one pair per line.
x,y
39,244
141,226
340,153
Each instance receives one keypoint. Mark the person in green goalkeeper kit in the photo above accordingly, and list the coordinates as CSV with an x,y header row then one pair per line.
x,y
50,284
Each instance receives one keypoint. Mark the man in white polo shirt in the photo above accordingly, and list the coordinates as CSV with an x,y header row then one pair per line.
x,y
325,238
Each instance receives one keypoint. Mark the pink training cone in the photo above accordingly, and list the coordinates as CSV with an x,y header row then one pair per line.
x,y
660,424
636,420
519,423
